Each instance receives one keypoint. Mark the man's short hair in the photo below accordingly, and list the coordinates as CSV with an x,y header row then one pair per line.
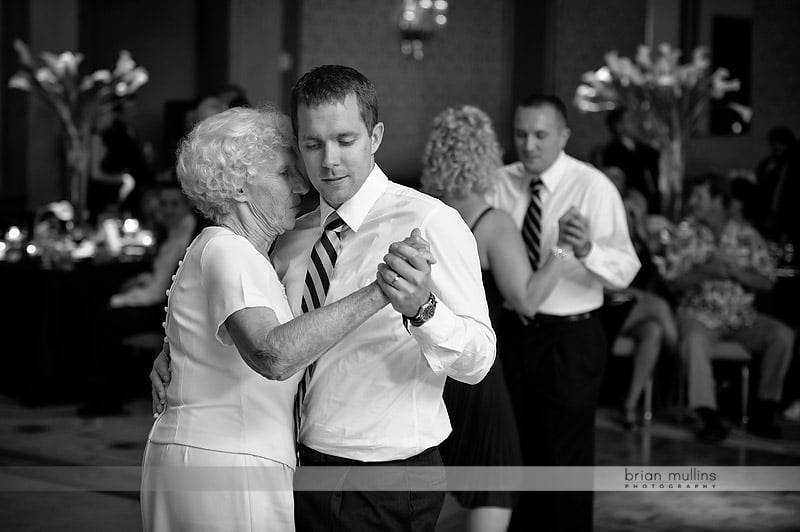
x,y
718,185
541,100
332,84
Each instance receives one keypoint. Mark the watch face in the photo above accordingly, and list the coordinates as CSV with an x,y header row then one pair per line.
x,y
426,312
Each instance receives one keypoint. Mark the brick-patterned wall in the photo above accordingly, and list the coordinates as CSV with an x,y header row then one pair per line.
x,y
585,31
467,62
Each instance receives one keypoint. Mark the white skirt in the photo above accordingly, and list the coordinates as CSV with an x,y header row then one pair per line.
x,y
188,489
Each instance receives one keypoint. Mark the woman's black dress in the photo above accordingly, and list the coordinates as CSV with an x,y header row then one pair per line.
x,y
482,416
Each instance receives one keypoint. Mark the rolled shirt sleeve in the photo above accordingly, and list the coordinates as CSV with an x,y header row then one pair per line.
x,y
612,257
459,340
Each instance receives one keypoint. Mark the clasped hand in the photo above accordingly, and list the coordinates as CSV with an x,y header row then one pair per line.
x,y
574,230
404,277
405,274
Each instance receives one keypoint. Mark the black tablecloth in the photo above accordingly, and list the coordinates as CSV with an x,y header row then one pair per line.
x,y
45,319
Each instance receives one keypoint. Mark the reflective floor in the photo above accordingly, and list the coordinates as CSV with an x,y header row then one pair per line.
x,y
39,446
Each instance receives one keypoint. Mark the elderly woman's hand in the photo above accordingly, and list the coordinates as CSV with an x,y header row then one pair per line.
x,y
160,376
415,241
405,274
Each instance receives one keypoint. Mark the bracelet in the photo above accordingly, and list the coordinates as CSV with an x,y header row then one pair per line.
x,y
559,252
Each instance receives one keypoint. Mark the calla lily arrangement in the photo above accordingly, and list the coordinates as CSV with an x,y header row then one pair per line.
x,y
669,98
668,101
57,82
76,100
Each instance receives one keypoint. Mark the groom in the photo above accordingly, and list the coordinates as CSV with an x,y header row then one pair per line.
x,y
376,397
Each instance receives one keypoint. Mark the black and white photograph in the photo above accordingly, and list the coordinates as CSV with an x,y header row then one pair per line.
x,y
399,265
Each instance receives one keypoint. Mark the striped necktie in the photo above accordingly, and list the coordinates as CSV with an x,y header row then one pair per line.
x,y
318,279
532,224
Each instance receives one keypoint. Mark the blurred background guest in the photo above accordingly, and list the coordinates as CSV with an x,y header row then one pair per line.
x,y
177,226
461,159
778,180
554,197
744,200
137,307
641,312
637,160
119,167
717,265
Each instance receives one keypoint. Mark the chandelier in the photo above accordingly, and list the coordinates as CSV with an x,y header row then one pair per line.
x,y
418,21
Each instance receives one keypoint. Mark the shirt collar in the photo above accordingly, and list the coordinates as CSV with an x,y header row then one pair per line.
x,y
355,210
552,175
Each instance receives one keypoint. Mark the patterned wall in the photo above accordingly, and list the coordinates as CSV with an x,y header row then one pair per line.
x,y
585,31
775,85
467,62
776,66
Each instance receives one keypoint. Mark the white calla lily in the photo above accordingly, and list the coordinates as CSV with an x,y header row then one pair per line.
x,y
20,81
124,64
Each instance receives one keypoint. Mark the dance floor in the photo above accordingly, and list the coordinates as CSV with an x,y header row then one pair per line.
x,y
41,490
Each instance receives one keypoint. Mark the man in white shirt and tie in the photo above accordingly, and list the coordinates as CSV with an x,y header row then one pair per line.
x,y
376,397
561,357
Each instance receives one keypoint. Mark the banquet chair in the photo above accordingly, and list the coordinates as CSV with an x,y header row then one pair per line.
x,y
726,353
735,353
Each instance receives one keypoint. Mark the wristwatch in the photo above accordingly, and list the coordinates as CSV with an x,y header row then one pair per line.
x,y
424,314
559,252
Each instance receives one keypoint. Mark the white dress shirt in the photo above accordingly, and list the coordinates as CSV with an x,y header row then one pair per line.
x,y
377,395
215,401
568,182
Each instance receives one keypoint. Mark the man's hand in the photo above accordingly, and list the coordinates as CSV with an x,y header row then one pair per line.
x,y
574,230
160,376
405,274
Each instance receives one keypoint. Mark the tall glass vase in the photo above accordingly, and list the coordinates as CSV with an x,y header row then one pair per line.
x,y
77,173
671,166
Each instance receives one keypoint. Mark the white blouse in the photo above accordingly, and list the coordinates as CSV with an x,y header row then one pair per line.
x,y
214,400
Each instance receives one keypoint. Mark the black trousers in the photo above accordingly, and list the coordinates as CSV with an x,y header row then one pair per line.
x,y
348,510
560,367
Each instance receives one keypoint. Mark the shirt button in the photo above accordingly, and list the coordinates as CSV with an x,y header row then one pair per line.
x,y
166,309
164,324
173,277
180,262
167,291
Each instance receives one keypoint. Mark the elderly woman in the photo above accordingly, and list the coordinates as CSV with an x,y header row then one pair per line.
x,y
459,165
236,351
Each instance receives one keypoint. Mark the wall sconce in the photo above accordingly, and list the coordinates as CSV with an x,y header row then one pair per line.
x,y
419,20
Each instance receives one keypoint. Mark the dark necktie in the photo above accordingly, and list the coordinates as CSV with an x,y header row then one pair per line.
x,y
318,279
532,224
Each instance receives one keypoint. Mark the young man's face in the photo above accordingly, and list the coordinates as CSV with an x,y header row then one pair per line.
x,y
539,136
336,148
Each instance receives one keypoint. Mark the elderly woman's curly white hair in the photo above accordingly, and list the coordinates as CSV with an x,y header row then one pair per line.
x,y
462,153
225,151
